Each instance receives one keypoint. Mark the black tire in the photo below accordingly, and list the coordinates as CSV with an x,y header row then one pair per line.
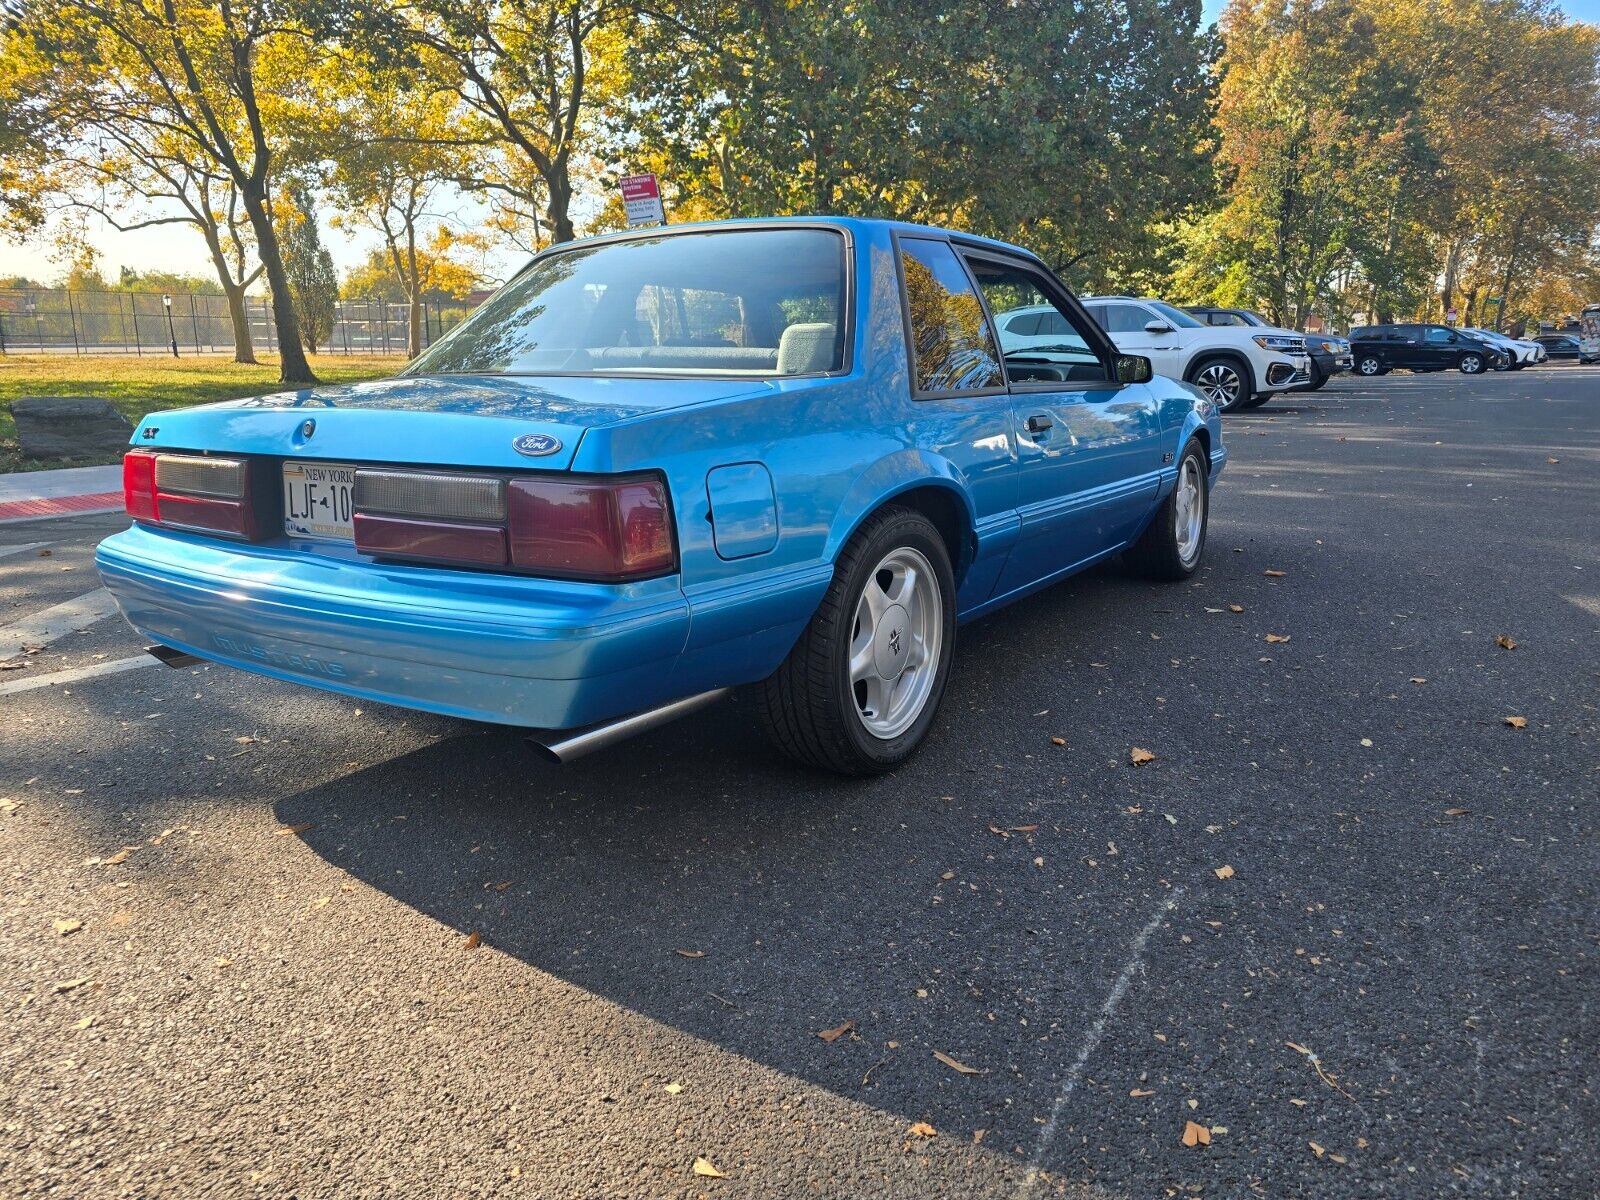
x,y
807,707
1230,389
1471,363
1256,401
1370,365
1157,553
1317,380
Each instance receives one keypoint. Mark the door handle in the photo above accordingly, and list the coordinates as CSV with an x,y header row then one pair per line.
x,y
1038,423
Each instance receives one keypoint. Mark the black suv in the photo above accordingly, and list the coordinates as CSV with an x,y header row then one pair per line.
x,y
1378,349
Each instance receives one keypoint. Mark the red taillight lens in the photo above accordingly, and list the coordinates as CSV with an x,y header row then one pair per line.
x,y
432,541
591,529
189,491
139,485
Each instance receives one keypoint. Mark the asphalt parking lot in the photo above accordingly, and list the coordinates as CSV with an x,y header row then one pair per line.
x,y
1345,921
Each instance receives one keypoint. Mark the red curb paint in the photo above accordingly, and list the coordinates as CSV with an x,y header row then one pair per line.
x,y
21,510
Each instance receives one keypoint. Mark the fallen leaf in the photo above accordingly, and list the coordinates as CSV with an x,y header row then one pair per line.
x,y
223,964
1319,1151
1236,608
1338,1158
1517,722
978,1135
1456,812
703,1166
46,553
1195,1134
69,985
474,940
246,740
66,926
1505,642
1138,756
691,953
1038,860
1273,574
1223,872
84,1022
8,805
923,1129
1418,679
15,664
288,830
1278,637
1058,741
1142,1092
674,1088
837,1032
962,1068
1297,1102
995,829
1219,1130
1023,828
120,857
1552,460
1366,742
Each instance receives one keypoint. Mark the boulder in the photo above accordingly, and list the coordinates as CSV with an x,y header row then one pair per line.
x,y
70,427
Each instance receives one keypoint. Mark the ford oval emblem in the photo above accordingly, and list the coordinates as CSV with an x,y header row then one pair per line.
x,y
536,445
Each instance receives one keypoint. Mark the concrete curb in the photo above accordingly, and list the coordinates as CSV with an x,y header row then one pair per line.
x,y
74,491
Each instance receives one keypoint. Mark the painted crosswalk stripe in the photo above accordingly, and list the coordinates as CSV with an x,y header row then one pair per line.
x,y
8,551
55,622
57,678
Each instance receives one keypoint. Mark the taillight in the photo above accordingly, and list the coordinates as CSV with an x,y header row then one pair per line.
x,y
189,491
600,529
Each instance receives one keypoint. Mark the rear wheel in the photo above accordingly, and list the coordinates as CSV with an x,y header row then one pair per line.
x,y
1170,548
1371,364
1223,381
1471,364
1317,380
860,689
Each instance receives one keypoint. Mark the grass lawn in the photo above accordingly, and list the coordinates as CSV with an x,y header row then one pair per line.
x,y
143,385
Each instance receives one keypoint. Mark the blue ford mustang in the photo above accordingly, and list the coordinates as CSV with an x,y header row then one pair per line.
x,y
661,464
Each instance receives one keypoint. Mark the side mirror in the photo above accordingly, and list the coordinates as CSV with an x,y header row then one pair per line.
x,y
1157,327
1133,368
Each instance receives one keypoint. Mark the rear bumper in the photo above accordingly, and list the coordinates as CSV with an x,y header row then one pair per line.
x,y
532,652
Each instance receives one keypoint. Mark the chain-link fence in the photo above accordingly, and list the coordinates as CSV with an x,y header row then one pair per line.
x,y
57,321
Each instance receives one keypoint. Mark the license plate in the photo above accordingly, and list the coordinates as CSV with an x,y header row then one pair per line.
x,y
318,500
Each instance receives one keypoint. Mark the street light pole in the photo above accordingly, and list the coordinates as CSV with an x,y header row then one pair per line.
x,y
172,330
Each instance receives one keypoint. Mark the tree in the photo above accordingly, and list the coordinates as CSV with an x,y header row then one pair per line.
x,y
211,73
396,141
307,266
531,72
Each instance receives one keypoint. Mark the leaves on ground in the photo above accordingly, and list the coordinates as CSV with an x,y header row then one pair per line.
x,y
1223,872
1138,1092
120,857
474,940
291,830
704,1166
960,1067
1516,722
1058,741
672,1089
1506,642
691,953
8,805
1138,756
1418,679
1273,574
1456,812
1236,608
1278,637
923,1130
837,1032
66,925
1195,1134
69,985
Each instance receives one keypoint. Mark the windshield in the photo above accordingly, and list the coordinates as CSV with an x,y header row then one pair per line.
x,y
746,302
1179,318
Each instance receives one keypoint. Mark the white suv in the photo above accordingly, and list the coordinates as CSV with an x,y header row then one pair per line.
x,y
1235,366
1519,351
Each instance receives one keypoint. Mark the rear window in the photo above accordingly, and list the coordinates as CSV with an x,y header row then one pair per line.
x,y
731,302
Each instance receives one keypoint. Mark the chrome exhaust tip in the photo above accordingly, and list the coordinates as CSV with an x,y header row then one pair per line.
x,y
568,745
171,657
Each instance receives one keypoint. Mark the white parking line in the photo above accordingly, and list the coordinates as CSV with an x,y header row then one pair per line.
x,y
57,621
8,551
56,678
1092,1040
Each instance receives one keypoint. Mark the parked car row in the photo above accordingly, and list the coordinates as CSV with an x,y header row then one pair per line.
x,y
1564,346
1379,349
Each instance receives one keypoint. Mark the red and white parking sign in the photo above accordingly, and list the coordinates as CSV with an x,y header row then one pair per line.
x,y
641,197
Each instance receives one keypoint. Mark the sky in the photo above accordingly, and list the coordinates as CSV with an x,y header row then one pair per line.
x,y
179,248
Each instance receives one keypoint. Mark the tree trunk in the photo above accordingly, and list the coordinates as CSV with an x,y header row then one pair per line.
x,y
556,207
243,349
414,325
293,367
1447,291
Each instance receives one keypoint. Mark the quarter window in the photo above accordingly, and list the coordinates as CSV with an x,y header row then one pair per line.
x,y
952,348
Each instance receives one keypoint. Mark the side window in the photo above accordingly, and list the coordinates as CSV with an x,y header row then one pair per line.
x,y
1024,326
1057,342
951,346
1125,318
1439,337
